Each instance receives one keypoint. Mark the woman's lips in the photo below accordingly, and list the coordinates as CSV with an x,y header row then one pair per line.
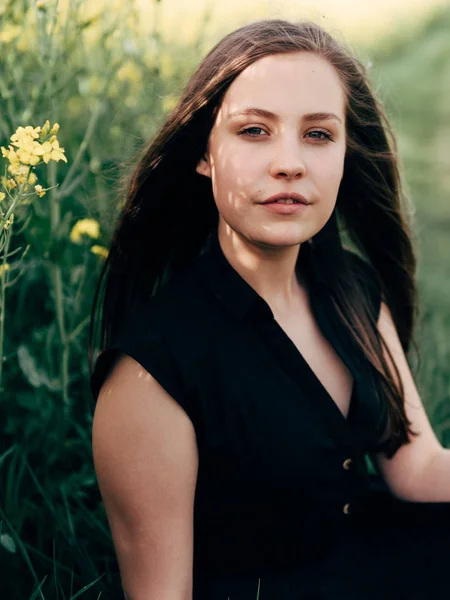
x,y
287,196
284,209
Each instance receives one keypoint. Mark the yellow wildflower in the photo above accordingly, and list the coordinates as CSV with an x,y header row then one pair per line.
x,y
2,196
100,251
13,157
32,178
89,227
20,172
10,155
39,190
25,157
40,5
20,179
23,133
17,169
9,221
11,184
28,151
50,151
4,267
25,142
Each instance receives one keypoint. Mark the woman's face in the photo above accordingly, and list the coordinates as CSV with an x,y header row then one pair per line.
x,y
278,147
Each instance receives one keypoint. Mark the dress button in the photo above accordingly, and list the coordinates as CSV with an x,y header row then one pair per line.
x,y
346,509
348,464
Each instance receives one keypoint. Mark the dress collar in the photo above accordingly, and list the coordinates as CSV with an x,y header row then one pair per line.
x,y
230,288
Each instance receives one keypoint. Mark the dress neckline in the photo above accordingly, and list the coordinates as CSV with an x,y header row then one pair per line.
x,y
240,299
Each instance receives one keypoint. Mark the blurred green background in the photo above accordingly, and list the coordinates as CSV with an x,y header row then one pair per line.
x,y
108,73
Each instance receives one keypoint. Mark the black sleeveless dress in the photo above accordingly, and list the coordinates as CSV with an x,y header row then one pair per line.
x,y
288,504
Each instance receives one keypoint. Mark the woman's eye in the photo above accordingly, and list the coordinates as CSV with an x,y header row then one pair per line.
x,y
327,135
251,129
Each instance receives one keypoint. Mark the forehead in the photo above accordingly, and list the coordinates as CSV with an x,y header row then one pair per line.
x,y
287,83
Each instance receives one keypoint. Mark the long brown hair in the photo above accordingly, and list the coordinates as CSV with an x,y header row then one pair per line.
x,y
169,209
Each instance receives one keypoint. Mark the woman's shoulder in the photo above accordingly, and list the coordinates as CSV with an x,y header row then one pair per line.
x,y
180,317
162,334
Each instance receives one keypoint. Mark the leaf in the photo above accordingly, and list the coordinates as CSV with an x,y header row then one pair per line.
x,y
85,588
35,376
38,590
370,466
28,366
8,543
63,228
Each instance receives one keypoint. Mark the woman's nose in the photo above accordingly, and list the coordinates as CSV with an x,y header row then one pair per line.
x,y
288,162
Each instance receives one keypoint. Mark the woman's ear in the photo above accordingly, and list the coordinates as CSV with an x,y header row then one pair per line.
x,y
203,166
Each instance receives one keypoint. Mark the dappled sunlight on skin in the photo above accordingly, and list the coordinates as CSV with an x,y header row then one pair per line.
x,y
285,149
140,373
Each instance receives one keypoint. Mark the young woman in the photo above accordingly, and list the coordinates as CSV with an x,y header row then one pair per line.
x,y
252,363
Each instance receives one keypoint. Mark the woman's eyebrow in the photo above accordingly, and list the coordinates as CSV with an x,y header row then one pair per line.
x,y
261,112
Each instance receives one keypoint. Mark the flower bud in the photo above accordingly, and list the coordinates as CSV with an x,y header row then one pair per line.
x,y
45,129
54,130
39,190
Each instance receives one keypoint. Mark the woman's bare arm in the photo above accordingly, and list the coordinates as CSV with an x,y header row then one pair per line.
x,y
146,461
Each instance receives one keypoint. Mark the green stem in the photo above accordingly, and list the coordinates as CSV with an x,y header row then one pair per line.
x,y
83,146
79,328
14,203
80,288
3,302
3,275
56,278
